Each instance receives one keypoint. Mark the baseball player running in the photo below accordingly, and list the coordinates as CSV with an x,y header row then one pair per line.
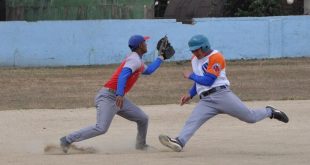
x,y
212,86
111,99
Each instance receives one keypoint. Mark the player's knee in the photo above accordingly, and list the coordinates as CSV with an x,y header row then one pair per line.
x,y
250,120
144,120
101,129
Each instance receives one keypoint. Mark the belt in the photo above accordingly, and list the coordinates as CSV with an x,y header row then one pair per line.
x,y
212,90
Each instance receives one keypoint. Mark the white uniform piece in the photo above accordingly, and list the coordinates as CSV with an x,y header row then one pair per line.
x,y
223,101
200,68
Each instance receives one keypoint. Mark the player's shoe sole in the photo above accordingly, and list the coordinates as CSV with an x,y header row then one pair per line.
x,y
170,143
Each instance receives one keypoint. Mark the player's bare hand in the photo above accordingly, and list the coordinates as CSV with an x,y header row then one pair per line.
x,y
184,99
186,74
119,101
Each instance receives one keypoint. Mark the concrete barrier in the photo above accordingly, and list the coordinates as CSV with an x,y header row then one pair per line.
x,y
93,42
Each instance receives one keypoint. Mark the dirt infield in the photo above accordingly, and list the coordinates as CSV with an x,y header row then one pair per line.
x,y
223,140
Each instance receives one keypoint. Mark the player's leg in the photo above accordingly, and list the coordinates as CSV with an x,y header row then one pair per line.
x,y
201,113
106,109
230,104
133,113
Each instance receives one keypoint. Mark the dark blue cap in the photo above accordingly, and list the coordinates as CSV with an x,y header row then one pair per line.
x,y
136,40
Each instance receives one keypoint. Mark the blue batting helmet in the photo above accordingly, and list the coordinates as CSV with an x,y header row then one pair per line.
x,y
199,41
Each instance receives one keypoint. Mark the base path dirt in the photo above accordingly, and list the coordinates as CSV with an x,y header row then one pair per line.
x,y
30,137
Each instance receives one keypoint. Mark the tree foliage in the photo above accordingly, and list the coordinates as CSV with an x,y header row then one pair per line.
x,y
242,8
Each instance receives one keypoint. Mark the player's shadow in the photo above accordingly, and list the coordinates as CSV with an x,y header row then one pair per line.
x,y
52,149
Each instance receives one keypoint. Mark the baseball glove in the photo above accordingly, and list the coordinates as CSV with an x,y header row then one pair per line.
x,y
164,48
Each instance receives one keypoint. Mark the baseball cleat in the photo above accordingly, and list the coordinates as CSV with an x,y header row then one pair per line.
x,y
174,144
64,144
279,115
145,147
142,147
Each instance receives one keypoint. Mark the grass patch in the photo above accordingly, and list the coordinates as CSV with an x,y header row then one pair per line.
x,y
74,87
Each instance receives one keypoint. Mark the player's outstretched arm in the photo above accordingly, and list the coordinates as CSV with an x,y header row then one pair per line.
x,y
207,79
153,66
191,93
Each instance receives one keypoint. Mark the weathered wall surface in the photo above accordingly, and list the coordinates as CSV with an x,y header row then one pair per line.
x,y
63,43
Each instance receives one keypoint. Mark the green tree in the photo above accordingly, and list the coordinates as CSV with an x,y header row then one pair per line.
x,y
241,8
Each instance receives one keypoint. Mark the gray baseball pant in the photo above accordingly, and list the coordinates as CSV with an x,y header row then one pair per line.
x,y
106,109
223,101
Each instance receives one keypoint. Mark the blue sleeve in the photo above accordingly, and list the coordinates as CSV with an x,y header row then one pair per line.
x,y
206,80
153,66
192,92
121,81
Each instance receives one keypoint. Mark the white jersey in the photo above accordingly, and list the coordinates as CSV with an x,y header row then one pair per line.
x,y
134,62
214,64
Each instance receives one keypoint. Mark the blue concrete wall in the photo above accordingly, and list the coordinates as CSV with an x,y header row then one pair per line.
x,y
63,43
